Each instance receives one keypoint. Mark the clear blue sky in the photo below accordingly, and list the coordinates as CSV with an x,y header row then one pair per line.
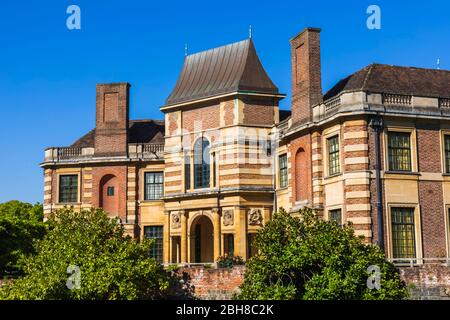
x,y
48,73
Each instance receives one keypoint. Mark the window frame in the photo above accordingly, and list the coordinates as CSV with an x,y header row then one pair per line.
x,y
447,229
330,211
389,148
283,172
412,225
187,172
159,243
63,174
417,231
108,193
445,160
145,194
203,169
337,167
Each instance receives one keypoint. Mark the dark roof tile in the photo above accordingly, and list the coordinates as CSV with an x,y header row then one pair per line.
x,y
380,78
140,131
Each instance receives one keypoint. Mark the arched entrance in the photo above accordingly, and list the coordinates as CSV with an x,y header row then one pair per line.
x,y
202,240
109,194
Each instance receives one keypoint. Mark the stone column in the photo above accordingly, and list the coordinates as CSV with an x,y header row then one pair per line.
x,y
217,232
240,221
184,238
166,240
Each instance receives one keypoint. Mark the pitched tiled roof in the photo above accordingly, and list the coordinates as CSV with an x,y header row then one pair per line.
x,y
380,78
227,69
140,131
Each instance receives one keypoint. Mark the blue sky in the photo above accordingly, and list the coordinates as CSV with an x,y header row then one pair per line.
x,y
48,73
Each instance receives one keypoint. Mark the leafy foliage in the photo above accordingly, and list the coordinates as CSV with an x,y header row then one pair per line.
x,y
112,266
227,261
20,224
308,258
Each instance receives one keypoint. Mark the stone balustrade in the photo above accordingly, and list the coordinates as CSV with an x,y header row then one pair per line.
x,y
135,151
381,102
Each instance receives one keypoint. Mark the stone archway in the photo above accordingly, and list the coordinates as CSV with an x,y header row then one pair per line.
x,y
109,194
202,240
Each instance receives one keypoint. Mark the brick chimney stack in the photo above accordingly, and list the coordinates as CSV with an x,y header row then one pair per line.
x,y
111,130
306,74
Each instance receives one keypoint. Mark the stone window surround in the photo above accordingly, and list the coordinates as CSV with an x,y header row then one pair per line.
x,y
142,183
64,172
413,143
336,207
417,229
443,133
447,228
279,170
330,133
190,154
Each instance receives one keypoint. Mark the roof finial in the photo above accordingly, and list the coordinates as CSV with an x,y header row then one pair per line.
x,y
439,63
185,49
250,31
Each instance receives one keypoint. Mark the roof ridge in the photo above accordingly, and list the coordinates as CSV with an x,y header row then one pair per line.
x,y
219,47
245,60
366,78
410,67
146,120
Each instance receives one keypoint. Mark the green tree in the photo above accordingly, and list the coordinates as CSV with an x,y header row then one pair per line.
x,y
308,258
20,224
111,265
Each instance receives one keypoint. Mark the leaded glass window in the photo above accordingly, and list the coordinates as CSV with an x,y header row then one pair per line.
x,y
156,233
336,216
282,161
68,188
333,155
201,164
154,185
403,233
447,153
187,172
399,150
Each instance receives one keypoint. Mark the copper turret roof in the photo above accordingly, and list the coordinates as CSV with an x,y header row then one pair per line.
x,y
231,68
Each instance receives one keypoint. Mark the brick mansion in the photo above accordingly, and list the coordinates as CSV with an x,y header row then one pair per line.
x,y
374,150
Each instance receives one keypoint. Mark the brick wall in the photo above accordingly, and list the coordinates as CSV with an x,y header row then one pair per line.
x,y
120,172
214,284
300,150
428,149
258,111
432,219
427,282
306,73
430,281
207,117
111,130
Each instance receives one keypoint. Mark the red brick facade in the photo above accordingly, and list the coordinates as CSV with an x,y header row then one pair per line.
x,y
300,149
306,74
111,132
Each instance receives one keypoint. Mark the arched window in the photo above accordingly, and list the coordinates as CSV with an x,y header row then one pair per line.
x,y
201,163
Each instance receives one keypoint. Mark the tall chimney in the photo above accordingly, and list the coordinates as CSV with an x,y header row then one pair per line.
x,y
306,74
111,129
